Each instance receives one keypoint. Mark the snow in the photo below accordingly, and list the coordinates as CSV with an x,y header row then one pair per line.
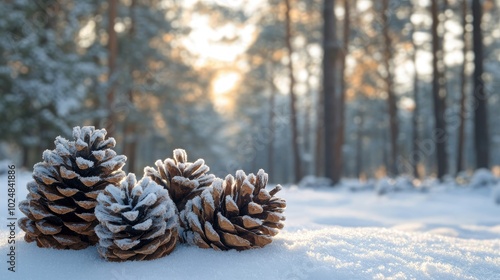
x,y
496,194
114,163
90,181
99,155
483,178
84,163
447,232
149,200
144,225
131,215
126,244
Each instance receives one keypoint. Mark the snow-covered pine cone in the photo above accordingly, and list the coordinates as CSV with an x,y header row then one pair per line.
x,y
137,221
234,214
184,180
61,200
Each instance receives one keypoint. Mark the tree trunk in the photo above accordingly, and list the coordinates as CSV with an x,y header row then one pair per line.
x,y
481,135
414,160
391,97
463,85
439,97
272,89
129,134
319,153
96,88
306,132
293,111
340,135
112,53
359,145
385,151
130,146
25,156
329,58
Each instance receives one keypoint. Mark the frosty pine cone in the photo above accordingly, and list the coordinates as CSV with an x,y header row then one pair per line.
x,y
137,221
234,214
183,180
60,204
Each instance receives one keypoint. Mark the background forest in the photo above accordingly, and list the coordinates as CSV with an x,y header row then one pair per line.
x,y
327,88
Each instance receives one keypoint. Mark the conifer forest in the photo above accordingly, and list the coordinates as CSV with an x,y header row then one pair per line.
x,y
337,89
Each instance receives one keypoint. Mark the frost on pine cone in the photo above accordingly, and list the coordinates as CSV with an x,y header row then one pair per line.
x,y
137,221
184,180
62,198
234,214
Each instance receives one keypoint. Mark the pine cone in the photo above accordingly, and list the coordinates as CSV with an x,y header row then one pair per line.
x,y
137,221
234,214
61,200
184,180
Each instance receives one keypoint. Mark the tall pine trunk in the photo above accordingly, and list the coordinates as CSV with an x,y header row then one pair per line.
x,y
319,149
359,144
293,100
414,120
481,135
439,96
463,85
329,111
112,54
129,134
306,132
272,97
391,97
340,106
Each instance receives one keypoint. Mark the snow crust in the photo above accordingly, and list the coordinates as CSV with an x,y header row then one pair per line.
x,y
444,233
84,163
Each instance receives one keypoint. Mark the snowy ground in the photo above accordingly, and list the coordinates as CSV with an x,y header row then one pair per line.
x,y
445,233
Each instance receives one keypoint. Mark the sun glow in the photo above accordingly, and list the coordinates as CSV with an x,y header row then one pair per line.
x,y
222,89
222,44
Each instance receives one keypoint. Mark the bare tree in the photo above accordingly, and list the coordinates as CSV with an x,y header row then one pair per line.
x,y
481,135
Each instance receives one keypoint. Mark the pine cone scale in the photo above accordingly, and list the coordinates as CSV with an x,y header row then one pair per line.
x,y
67,192
49,194
224,224
87,217
233,240
46,228
199,241
210,233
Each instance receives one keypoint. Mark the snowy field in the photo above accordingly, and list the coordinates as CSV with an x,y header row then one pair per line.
x,y
444,233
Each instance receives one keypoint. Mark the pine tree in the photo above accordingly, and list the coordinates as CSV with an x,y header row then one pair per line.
x,y
61,200
40,64
184,180
234,214
137,221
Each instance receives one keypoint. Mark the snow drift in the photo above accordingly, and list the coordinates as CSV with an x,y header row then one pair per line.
x,y
444,233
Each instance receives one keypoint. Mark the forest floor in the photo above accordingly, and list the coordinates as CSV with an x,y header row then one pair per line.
x,y
446,232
